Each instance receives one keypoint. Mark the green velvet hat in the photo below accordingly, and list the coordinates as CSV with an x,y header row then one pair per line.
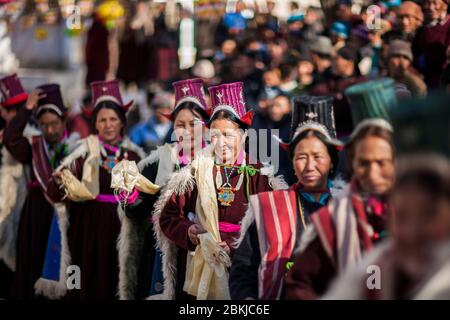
x,y
423,125
370,103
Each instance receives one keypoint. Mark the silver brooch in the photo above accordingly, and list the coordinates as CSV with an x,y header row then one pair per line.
x,y
311,115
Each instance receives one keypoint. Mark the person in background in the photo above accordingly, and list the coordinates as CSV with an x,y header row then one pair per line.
x,y
294,8
224,56
295,24
276,50
135,52
409,20
313,25
101,53
288,71
204,69
345,74
280,108
305,73
158,128
400,68
364,40
342,11
244,68
321,53
235,23
431,44
43,153
277,116
268,20
338,34
272,82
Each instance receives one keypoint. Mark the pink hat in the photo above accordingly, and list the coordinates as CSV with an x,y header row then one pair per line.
x,y
108,91
12,91
190,90
230,97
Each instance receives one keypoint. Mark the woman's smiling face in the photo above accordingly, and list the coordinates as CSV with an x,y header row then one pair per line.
x,y
188,129
227,139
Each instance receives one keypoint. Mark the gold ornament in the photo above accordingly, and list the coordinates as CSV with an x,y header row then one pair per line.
x,y
40,33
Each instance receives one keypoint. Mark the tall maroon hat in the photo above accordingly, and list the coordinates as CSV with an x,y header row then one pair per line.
x,y
190,90
108,91
12,91
52,101
230,97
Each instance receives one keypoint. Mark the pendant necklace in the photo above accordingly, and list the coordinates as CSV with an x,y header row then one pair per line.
x,y
226,192
110,160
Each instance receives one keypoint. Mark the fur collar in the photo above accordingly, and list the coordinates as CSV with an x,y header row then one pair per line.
x,y
81,150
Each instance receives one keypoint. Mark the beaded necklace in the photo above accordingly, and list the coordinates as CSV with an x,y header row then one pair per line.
x,y
110,160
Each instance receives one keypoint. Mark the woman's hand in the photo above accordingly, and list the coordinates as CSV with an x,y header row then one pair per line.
x,y
225,247
57,176
193,231
33,98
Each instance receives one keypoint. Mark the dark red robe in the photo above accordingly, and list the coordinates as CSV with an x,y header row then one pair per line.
x,y
35,218
174,220
92,235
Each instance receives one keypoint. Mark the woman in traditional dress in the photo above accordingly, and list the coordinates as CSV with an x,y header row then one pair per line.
x,y
353,223
414,263
140,262
198,216
43,153
314,153
12,183
85,177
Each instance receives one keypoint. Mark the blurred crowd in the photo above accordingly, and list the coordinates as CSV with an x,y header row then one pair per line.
x,y
347,91
277,48
312,51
